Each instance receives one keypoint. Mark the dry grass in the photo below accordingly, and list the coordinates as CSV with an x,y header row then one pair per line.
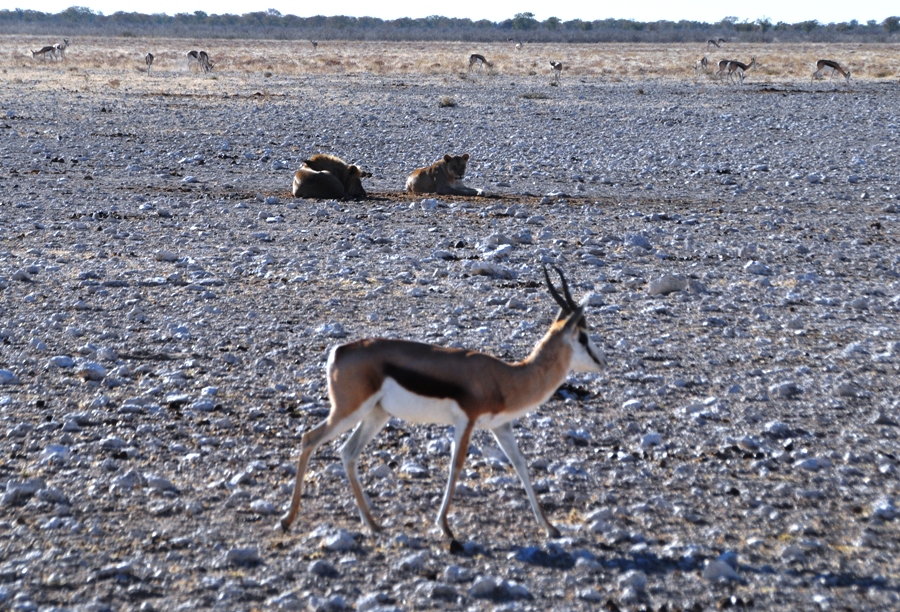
x,y
98,62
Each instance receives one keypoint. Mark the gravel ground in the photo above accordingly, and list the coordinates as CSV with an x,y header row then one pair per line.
x,y
166,308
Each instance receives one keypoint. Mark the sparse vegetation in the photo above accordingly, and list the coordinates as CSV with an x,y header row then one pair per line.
x,y
446,102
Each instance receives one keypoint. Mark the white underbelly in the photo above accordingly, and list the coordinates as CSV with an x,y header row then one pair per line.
x,y
492,421
414,408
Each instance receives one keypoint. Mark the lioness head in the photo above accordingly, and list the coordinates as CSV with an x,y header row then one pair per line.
x,y
455,165
353,187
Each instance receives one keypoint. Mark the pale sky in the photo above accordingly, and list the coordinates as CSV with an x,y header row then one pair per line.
x,y
710,11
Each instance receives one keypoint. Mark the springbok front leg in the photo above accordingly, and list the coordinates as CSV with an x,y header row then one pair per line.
x,y
365,431
462,433
507,440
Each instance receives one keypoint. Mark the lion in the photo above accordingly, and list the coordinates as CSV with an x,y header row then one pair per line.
x,y
443,177
323,177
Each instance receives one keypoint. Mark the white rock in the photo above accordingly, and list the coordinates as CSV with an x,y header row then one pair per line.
x,y
719,571
667,284
264,507
8,378
243,556
163,255
651,439
341,541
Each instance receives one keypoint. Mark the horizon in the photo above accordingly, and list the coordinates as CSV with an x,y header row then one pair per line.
x,y
705,11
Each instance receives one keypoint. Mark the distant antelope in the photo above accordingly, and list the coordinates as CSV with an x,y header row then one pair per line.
x,y
722,67
44,51
371,380
735,66
194,55
315,45
557,70
204,60
519,45
477,59
61,48
148,59
822,64
712,43
702,64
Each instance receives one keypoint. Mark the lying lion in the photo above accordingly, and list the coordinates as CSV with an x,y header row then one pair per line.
x,y
324,177
443,177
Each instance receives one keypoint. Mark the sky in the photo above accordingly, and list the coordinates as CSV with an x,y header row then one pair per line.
x,y
710,11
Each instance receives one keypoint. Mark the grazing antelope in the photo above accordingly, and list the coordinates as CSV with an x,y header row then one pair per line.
x,y
371,380
480,60
557,70
735,66
44,51
519,44
822,64
194,55
148,59
204,60
702,64
315,45
712,43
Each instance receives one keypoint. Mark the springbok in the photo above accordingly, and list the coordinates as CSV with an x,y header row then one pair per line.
x,y
371,380
205,62
557,70
43,51
148,59
480,60
61,48
722,67
735,66
702,64
822,64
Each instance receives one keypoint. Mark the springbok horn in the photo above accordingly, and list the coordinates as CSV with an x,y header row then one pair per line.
x,y
565,286
563,305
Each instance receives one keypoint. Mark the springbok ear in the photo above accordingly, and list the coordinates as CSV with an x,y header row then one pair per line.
x,y
574,318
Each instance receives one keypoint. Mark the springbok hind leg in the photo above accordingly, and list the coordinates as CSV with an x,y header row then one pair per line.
x,y
507,440
320,434
462,432
367,429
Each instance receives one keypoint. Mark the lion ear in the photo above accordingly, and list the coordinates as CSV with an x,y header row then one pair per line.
x,y
447,158
465,156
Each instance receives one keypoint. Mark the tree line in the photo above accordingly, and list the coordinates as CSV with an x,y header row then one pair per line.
x,y
523,27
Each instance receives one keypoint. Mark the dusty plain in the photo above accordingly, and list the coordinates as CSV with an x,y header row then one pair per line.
x,y
166,308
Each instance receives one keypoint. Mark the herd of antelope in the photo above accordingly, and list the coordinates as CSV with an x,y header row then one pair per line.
x,y
55,52
58,52
725,67
732,67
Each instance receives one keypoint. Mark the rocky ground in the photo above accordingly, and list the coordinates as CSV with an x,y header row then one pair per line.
x,y
166,308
